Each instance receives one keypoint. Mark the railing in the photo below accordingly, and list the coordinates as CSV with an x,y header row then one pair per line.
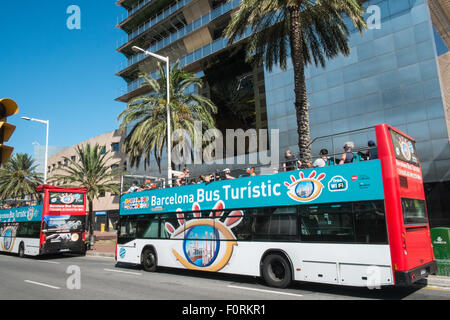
x,y
198,54
191,27
361,151
156,19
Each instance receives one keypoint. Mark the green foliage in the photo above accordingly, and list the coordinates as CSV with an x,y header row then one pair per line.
x,y
147,114
18,178
324,30
92,170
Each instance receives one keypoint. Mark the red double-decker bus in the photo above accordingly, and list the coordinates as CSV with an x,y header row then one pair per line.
x,y
406,213
54,225
355,218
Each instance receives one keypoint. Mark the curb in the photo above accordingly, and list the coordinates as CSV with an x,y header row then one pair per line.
x,y
438,281
100,254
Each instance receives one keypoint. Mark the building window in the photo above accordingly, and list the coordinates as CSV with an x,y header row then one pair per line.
x,y
73,158
115,147
103,150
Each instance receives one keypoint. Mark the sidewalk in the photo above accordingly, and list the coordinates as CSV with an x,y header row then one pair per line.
x,y
105,244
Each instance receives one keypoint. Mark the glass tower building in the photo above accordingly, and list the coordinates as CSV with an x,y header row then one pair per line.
x,y
394,74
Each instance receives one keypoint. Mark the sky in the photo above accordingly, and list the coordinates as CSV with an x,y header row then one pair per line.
x,y
61,75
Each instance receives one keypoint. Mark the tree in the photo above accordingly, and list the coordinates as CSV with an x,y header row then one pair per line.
x,y
19,179
310,31
92,171
148,114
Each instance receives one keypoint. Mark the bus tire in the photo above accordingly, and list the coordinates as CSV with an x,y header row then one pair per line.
x,y
148,259
276,271
21,251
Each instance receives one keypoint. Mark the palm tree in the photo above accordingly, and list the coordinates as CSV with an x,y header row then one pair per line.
x,y
19,179
310,31
92,171
148,114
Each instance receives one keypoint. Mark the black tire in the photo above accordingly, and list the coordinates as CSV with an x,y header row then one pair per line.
x,y
21,250
276,271
148,260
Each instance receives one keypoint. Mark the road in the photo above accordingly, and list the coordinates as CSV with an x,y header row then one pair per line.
x,y
100,278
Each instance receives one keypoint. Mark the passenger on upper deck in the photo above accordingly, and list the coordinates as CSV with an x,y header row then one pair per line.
x,y
134,187
347,156
320,162
227,174
372,153
182,177
291,162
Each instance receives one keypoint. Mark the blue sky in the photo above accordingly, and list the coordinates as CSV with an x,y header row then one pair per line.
x,y
53,73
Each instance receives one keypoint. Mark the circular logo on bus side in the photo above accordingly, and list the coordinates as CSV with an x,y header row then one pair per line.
x,y
202,248
201,245
305,189
9,236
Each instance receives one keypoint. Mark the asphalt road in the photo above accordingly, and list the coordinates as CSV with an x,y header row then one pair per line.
x,y
97,278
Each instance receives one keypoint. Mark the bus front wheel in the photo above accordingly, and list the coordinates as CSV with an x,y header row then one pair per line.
x,y
276,271
149,260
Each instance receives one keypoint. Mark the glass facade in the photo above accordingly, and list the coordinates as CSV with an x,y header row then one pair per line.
x,y
391,76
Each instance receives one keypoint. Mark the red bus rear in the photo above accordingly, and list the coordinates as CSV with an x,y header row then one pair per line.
x,y
406,215
63,219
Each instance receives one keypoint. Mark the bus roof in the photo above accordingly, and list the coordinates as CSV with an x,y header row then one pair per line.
x,y
342,183
44,187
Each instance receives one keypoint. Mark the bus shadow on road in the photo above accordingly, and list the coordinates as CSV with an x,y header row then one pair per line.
x,y
383,293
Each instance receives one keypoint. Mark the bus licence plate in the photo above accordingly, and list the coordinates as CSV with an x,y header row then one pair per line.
x,y
422,272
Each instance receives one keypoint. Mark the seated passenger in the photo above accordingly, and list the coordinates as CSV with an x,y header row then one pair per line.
x,y
227,174
181,180
134,187
372,153
320,162
290,162
347,156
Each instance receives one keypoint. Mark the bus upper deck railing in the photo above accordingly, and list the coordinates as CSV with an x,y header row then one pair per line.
x,y
363,143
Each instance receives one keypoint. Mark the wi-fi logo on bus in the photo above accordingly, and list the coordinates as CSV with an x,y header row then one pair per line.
x,y
305,189
202,248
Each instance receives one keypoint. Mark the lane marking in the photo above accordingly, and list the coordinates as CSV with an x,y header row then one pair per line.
x,y
51,262
266,291
121,271
42,284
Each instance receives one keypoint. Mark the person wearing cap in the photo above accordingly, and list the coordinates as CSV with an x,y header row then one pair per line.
x,y
320,162
227,174
347,156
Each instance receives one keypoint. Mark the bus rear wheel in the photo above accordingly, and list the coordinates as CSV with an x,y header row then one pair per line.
x,y
21,250
149,260
276,271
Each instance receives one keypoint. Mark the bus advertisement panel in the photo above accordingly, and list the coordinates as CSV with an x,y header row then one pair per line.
x,y
333,184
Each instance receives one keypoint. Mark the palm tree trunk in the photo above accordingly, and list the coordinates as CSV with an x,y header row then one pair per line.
x,y
91,222
301,99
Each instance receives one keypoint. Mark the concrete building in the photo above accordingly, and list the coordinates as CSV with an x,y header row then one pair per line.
x,y
106,207
393,75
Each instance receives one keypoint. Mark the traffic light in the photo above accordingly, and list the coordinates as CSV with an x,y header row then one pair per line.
x,y
8,108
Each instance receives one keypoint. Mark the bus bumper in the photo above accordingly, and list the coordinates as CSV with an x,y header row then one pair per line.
x,y
407,278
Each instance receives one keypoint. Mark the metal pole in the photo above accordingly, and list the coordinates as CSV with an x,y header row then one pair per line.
x,y
46,153
169,139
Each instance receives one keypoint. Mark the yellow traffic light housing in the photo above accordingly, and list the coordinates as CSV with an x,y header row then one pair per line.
x,y
8,108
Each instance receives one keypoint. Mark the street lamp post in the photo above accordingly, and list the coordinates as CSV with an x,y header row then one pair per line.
x,y
169,140
47,123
